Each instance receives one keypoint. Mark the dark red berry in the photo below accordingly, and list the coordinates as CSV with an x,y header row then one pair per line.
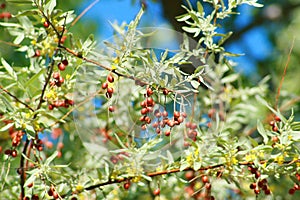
x,y
37,53
156,192
61,80
292,191
165,91
144,111
56,75
252,186
65,62
149,92
14,153
110,90
7,152
61,66
111,109
277,118
110,78
205,179
104,85
275,128
46,24
126,185
256,190
3,5
176,114
168,133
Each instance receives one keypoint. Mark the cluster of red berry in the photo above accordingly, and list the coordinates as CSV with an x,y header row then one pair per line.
x,y
61,103
147,107
190,175
5,14
120,156
192,132
58,80
16,140
260,184
52,192
274,124
296,185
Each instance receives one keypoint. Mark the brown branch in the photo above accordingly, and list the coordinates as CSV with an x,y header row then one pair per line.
x,y
16,98
284,73
84,11
153,174
22,169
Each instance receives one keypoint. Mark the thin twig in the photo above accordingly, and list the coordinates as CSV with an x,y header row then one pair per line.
x,y
83,12
284,73
16,98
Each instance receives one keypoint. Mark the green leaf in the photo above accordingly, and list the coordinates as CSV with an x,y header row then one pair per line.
x,y
230,78
33,78
51,158
9,69
50,6
199,7
262,131
6,127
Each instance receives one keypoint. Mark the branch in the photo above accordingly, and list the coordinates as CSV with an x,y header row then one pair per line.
x,y
16,98
153,174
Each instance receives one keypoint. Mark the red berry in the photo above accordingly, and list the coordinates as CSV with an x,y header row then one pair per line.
x,y
37,53
14,153
110,78
7,152
104,85
176,114
144,111
126,185
56,75
168,133
65,62
272,123
6,15
275,139
110,90
149,101
165,91
61,66
257,174
149,92
292,191
165,113
275,128
46,24
156,192
252,186
61,80
30,185
71,102
205,179
193,126
208,186
3,5
277,118
189,175
157,130
256,190
111,109
267,191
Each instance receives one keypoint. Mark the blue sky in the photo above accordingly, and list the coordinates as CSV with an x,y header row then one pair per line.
x,y
254,44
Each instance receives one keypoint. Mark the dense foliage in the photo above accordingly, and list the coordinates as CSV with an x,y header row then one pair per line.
x,y
129,121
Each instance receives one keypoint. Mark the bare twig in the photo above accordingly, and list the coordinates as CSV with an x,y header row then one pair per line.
x,y
284,73
84,11
16,98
